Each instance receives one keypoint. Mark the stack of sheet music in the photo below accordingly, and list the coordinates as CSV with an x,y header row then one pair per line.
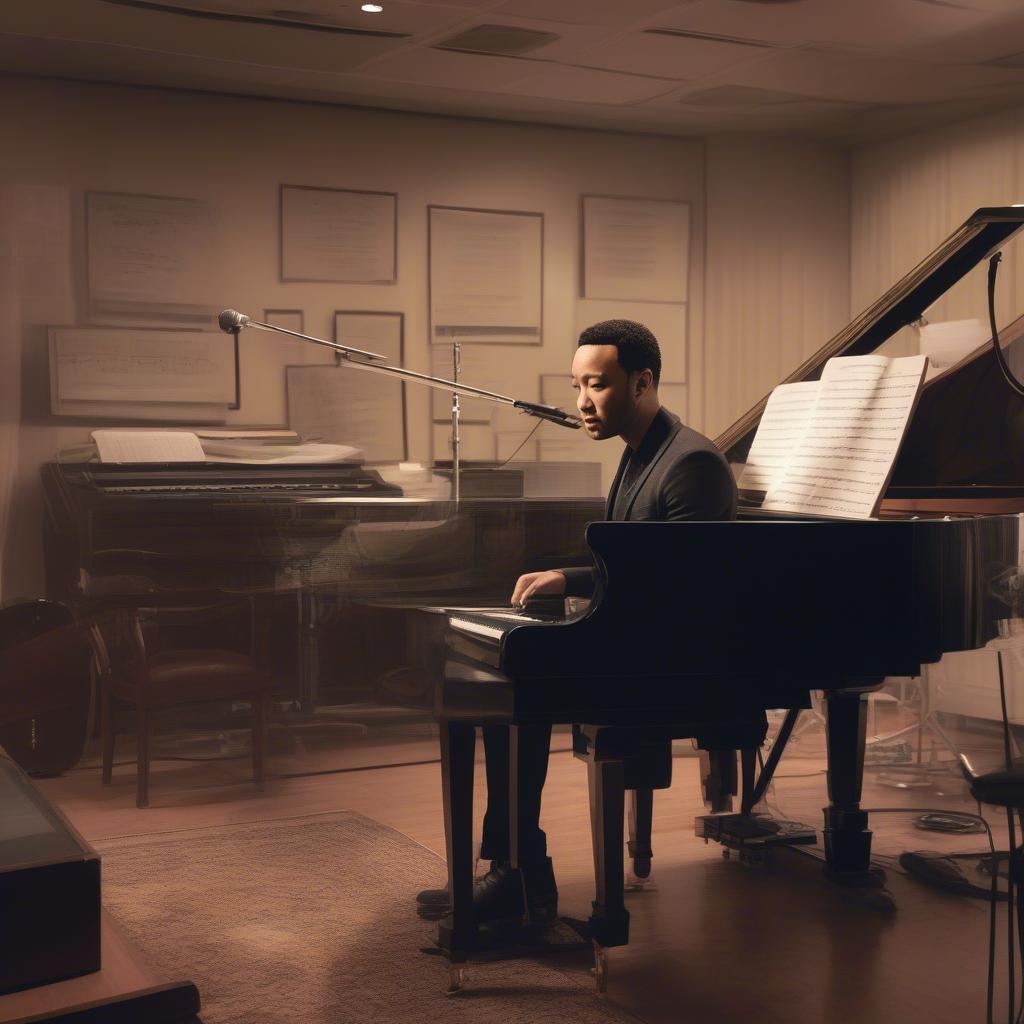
x,y
827,447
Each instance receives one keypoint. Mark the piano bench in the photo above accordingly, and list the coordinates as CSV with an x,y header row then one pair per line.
x,y
646,754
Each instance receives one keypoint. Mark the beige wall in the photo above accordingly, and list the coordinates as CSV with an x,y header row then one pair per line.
x,y
235,152
908,195
775,250
777,265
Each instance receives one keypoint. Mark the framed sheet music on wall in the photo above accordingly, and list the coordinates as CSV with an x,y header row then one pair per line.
x,y
333,234
289,319
128,373
344,405
486,271
152,258
635,249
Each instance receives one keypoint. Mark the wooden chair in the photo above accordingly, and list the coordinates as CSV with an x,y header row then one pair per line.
x,y
133,672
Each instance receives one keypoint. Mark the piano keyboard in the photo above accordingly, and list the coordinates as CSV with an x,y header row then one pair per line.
x,y
489,623
263,487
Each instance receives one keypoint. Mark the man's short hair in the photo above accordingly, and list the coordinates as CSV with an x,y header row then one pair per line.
x,y
638,347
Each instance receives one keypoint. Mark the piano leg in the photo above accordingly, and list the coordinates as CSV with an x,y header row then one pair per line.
x,y
457,930
609,922
718,778
513,816
748,766
641,816
847,837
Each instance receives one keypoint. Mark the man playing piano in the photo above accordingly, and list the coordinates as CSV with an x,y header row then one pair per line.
x,y
667,472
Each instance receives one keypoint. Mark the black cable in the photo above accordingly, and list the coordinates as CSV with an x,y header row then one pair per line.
x,y
1007,751
1015,385
991,991
1011,969
521,446
1014,906
1015,869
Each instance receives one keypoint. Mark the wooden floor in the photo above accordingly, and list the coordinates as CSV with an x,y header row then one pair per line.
x,y
714,941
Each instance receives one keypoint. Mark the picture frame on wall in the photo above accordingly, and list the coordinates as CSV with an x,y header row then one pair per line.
x,y
497,368
635,250
342,235
180,376
152,259
343,405
486,272
287,319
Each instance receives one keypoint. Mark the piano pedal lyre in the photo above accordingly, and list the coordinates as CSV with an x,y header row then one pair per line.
x,y
600,969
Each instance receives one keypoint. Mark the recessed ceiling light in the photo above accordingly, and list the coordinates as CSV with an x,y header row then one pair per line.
x,y
372,8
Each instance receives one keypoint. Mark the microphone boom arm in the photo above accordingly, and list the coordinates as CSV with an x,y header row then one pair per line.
x,y
345,350
232,322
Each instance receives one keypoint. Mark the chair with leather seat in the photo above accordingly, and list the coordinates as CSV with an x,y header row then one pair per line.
x,y
134,673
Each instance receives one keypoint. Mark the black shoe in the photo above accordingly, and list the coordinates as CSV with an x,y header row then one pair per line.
x,y
439,898
498,895
433,898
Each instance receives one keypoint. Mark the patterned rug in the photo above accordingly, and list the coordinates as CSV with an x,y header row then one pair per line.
x,y
312,919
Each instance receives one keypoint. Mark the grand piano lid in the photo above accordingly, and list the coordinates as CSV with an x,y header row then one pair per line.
x,y
984,232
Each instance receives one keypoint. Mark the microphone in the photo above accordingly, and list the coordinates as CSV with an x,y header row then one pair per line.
x,y
231,320
551,413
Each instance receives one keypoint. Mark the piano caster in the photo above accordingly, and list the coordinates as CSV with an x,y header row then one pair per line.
x,y
600,969
456,979
642,867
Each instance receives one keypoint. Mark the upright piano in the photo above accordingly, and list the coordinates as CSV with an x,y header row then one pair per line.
x,y
697,628
309,541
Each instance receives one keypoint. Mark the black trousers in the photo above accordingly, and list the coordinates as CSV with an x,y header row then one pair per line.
x,y
534,745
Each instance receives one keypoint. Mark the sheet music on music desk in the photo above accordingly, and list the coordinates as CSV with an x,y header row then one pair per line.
x,y
783,425
148,446
842,463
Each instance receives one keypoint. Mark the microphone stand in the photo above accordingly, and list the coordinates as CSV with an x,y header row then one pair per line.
x,y
456,439
232,322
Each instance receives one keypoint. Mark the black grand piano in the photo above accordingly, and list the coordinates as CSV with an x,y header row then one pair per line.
x,y
697,625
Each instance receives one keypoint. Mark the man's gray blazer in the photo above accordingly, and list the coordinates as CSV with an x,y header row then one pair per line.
x,y
686,478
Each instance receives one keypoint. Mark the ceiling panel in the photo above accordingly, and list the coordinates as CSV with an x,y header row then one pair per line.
x,y
881,80
572,42
73,59
273,46
540,109
868,24
450,69
469,5
675,57
585,85
820,75
587,12
397,16
766,101
997,38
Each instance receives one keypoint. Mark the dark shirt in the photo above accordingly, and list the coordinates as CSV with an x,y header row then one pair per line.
x,y
675,475
639,459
